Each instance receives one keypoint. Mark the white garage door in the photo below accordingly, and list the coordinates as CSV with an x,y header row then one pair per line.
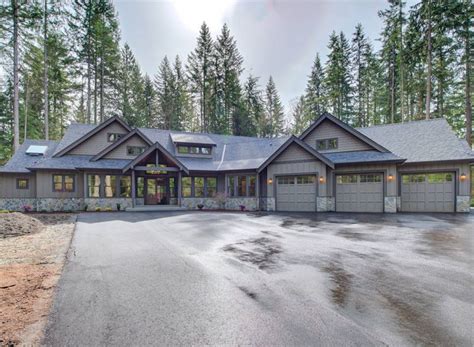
x,y
296,193
359,193
428,192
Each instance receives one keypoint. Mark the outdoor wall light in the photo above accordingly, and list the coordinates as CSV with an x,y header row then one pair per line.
x,y
321,179
270,181
390,177
463,176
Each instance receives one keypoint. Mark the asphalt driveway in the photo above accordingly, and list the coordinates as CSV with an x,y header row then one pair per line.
x,y
256,279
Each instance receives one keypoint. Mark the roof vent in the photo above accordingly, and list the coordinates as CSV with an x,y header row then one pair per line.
x,y
35,150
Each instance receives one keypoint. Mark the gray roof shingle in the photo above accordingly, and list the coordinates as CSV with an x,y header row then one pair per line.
x,y
420,141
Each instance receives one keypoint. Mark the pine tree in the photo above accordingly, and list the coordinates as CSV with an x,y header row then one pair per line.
x,y
165,88
183,107
314,97
150,103
300,121
201,73
228,69
253,106
273,122
359,65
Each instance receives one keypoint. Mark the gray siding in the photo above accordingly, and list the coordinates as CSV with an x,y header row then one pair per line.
x,y
294,152
45,185
461,168
98,142
8,186
296,167
346,141
121,151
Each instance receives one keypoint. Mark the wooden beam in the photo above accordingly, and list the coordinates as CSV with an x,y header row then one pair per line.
x,y
156,168
179,188
133,188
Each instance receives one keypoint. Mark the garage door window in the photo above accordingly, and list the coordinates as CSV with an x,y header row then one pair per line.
x,y
346,179
305,179
371,178
286,180
440,178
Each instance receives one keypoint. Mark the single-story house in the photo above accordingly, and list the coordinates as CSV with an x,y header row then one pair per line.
x,y
419,166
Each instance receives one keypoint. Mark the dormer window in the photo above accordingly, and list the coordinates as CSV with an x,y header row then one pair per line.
x,y
196,150
112,137
326,144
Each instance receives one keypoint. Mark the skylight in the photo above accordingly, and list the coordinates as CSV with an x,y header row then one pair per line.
x,y
35,150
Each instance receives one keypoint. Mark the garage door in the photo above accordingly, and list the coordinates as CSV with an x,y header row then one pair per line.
x,y
296,193
428,192
359,193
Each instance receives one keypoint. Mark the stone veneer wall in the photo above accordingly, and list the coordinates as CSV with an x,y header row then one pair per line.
x,y
390,204
214,204
17,204
463,203
235,203
267,204
55,204
93,203
325,204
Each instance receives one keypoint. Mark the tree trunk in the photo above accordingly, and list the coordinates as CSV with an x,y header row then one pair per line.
x,y
400,55
102,107
27,101
16,101
392,92
468,84
45,78
429,67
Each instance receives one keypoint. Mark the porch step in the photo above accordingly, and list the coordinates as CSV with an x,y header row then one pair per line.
x,y
155,208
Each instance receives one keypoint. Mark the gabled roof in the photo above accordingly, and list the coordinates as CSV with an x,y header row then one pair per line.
x,y
159,147
91,133
421,141
346,127
120,141
306,147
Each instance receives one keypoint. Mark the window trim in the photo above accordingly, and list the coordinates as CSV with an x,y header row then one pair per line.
x,y
189,150
326,142
236,184
118,180
63,183
193,187
143,149
22,179
117,137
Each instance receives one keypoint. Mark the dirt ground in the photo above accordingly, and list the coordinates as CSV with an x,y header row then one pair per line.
x,y
30,266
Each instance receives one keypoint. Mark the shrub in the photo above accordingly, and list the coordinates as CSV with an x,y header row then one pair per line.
x,y
27,208
242,207
97,209
4,211
108,209
119,207
85,207
200,206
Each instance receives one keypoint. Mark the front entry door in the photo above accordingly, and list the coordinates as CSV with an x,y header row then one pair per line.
x,y
156,192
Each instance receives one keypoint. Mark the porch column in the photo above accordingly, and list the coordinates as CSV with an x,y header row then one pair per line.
x,y
257,191
179,188
133,188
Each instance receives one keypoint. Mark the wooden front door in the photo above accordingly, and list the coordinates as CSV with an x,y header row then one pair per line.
x,y
156,191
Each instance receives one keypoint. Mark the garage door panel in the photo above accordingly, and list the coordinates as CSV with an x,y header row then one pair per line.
x,y
434,192
296,193
359,193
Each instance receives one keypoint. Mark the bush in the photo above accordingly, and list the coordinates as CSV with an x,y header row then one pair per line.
x,y
242,207
200,206
27,208
97,209
119,207
4,211
108,209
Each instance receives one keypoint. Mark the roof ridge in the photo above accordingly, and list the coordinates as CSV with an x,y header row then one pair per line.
x,y
404,123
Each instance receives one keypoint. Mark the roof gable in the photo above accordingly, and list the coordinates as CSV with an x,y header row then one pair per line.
x,y
326,117
90,134
304,146
150,150
122,142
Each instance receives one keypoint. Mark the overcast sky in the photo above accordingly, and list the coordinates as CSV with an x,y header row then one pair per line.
x,y
275,37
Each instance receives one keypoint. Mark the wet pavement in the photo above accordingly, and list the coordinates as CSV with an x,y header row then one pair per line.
x,y
266,279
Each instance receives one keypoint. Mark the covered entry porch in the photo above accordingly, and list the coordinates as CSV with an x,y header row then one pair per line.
x,y
156,178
